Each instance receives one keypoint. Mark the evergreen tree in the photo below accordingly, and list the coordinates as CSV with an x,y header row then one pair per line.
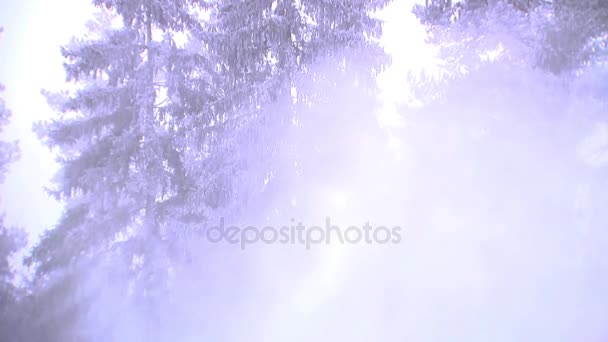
x,y
121,170
556,35
121,176
569,38
270,53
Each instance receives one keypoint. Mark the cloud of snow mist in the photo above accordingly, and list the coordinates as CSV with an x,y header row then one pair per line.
x,y
329,163
499,187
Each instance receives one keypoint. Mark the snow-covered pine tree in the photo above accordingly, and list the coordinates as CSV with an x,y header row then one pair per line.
x,y
264,44
269,53
121,176
557,34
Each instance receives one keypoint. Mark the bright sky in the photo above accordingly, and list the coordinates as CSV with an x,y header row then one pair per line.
x,y
34,30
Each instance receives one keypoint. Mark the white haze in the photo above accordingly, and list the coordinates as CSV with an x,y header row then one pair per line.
x,y
496,188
